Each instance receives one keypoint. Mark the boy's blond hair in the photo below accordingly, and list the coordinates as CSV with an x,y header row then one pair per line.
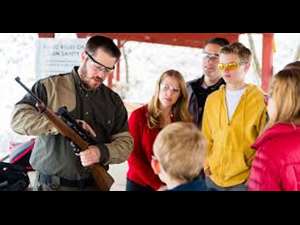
x,y
180,149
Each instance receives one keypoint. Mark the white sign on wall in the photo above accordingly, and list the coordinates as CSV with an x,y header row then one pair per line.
x,y
56,56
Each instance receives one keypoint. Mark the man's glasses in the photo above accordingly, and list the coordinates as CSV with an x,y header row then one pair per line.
x,y
100,66
166,87
210,56
229,66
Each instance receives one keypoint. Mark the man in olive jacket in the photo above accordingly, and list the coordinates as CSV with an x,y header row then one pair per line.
x,y
100,110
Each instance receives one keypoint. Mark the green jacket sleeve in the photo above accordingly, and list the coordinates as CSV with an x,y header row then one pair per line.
x,y
26,120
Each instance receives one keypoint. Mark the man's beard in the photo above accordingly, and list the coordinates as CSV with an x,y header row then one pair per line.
x,y
85,79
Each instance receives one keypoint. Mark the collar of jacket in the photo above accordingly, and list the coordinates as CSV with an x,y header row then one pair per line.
x,y
198,82
214,86
276,131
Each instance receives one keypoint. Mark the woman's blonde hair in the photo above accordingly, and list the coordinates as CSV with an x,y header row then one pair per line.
x,y
180,108
285,91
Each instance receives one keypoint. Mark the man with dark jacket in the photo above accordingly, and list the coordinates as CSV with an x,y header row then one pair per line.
x,y
200,88
98,108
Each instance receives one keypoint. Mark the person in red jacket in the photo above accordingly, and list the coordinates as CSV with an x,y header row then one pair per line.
x,y
276,166
168,104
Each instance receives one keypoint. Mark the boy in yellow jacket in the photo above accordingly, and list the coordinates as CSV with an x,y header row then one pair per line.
x,y
233,118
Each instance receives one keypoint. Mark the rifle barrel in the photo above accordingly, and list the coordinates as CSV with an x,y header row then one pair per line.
x,y
30,92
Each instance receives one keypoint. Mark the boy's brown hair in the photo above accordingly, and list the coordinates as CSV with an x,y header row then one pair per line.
x,y
238,49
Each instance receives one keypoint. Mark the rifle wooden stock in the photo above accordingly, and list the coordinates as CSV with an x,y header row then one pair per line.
x,y
103,179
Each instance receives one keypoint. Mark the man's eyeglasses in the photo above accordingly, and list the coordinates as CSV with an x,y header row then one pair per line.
x,y
102,68
211,56
166,87
229,66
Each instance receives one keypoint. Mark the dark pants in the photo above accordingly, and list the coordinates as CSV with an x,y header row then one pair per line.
x,y
132,186
211,186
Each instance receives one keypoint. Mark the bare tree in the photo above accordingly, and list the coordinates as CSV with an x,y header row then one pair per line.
x,y
297,54
257,66
126,62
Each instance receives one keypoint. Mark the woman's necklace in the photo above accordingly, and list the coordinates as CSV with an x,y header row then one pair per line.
x,y
166,120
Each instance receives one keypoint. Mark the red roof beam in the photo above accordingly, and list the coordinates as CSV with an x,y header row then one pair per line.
x,y
180,39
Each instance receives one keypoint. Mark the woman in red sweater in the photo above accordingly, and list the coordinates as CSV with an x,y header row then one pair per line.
x,y
168,104
276,165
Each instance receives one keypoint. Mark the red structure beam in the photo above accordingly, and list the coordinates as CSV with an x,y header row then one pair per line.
x,y
267,60
46,35
179,39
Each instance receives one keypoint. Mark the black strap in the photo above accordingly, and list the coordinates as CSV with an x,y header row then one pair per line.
x,y
47,179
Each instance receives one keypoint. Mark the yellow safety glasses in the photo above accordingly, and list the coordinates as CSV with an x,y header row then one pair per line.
x,y
228,66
